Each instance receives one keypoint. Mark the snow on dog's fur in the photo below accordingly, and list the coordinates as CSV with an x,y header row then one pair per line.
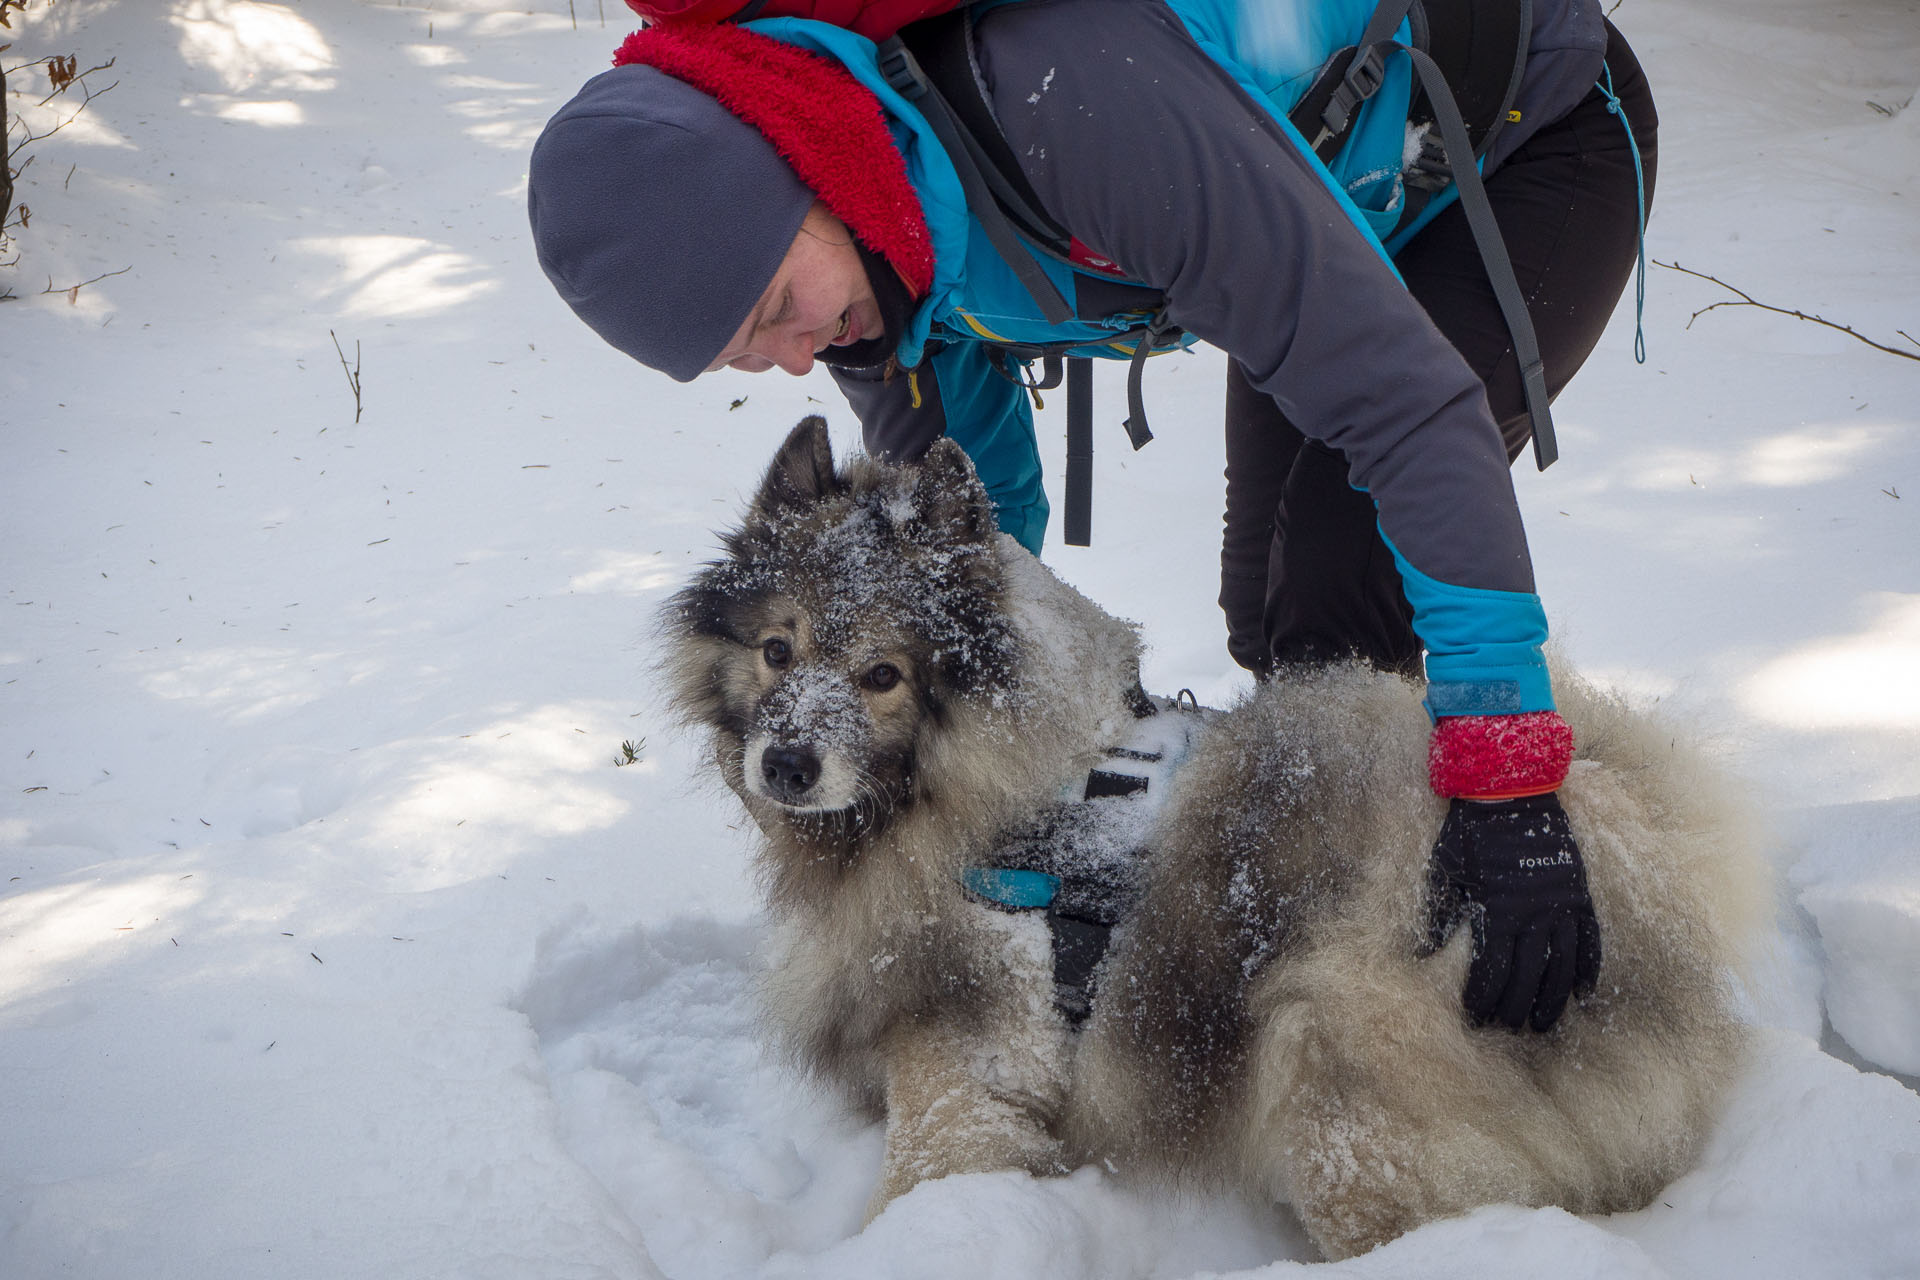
x,y
889,684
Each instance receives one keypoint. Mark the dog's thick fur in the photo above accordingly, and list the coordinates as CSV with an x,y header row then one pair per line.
x,y
1265,1017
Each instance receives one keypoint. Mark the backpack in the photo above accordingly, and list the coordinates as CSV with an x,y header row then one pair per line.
x,y
1469,56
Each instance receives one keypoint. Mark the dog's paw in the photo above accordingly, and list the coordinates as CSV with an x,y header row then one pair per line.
x,y
963,1135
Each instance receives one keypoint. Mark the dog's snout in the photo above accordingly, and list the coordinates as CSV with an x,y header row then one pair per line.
x,y
789,772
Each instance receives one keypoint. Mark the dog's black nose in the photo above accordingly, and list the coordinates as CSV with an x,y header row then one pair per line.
x,y
789,772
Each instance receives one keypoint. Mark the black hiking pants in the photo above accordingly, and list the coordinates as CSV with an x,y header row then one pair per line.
x,y
1304,572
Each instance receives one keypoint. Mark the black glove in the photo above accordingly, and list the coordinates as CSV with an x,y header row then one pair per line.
x,y
1512,869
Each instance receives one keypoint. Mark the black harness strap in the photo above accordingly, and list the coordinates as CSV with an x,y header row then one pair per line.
x,y
1079,945
1039,869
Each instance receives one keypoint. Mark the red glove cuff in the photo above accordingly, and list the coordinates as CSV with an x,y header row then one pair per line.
x,y
1499,757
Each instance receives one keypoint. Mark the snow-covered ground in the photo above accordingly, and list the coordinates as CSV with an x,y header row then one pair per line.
x,y
334,943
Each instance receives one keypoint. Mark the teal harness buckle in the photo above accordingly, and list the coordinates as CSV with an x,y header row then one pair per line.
x,y
1018,890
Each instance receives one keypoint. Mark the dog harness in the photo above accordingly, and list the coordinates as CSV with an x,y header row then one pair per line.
x,y
1081,861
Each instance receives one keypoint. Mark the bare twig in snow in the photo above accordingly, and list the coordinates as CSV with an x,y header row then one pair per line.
x,y
353,374
73,290
1744,299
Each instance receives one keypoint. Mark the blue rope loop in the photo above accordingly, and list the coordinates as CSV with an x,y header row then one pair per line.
x,y
1605,86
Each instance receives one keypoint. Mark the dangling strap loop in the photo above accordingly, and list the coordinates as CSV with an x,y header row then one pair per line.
x,y
1159,327
1078,530
1605,86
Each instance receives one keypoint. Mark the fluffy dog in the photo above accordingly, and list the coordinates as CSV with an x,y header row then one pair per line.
x,y
895,692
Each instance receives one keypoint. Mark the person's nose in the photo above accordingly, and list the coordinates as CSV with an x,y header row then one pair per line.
x,y
795,353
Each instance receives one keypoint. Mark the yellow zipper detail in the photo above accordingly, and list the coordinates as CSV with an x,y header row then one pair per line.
x,y
981,329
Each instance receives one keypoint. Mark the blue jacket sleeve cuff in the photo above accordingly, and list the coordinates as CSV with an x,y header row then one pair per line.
x,y
1484,647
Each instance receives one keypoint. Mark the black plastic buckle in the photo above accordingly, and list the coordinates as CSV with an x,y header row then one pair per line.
x,y
1365,74
900,71
1015,364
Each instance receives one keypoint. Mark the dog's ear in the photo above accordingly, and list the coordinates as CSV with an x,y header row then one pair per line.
x,y
801,473
949,496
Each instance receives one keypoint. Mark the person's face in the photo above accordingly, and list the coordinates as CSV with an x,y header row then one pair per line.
x,y
818,298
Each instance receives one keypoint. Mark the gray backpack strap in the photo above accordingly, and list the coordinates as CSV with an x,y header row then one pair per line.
x,y
1493,252
903,72
1353,75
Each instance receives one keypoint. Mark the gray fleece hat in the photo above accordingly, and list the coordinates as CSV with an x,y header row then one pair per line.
x,y
660,216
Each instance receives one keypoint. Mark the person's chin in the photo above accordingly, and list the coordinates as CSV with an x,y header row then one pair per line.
x,y
868,353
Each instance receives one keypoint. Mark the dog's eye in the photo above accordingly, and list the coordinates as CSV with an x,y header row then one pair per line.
x,y
777,652
883,676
